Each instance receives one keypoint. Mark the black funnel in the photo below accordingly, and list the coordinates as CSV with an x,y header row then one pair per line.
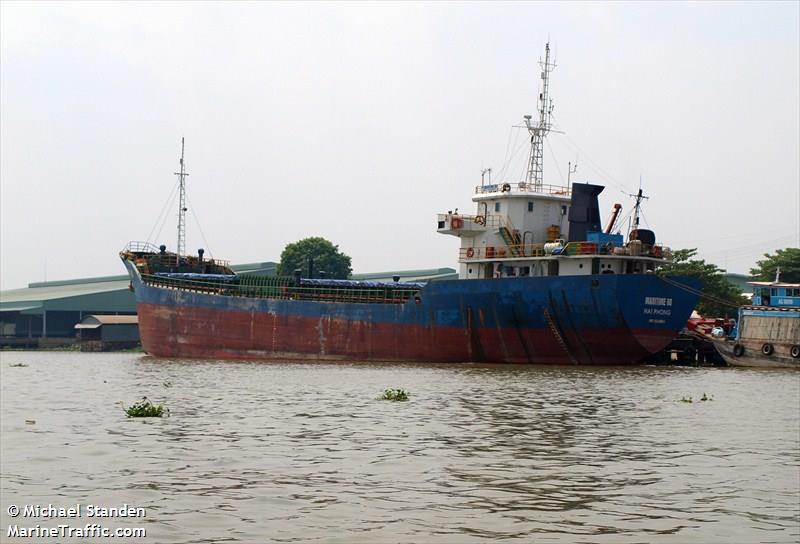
x,y
584,213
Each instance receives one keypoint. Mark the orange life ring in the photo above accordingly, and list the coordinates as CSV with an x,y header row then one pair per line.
x,y
470,253
480,220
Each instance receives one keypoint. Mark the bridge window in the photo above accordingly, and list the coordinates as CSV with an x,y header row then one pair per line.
x,y
530,206
497,206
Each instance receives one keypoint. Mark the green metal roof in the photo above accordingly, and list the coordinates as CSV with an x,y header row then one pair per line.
x,y
56,290
92,293
426,274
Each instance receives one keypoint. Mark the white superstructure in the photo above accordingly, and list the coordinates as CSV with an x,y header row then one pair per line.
x,y
523,228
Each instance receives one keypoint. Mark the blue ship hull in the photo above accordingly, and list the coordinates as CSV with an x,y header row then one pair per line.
x,y
597,319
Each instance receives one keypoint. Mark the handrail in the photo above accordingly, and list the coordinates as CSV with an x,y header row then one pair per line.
x,y
571,249
476,221
167,258
141,247
522,187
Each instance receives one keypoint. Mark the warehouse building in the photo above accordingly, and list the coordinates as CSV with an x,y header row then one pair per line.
x,y
108,332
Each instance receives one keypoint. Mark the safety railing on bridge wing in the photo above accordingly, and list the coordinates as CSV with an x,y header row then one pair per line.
x,y
470,222
523,187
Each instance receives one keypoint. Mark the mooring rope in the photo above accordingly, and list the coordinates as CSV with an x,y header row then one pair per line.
x,y
699,293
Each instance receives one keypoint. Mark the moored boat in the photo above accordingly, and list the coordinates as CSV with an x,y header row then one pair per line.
x,y
768,330
539,282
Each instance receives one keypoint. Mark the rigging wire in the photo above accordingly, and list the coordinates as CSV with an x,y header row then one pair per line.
x,y
508,148
558,168
641,213
202,235
511,158
602,172
163,213
750,248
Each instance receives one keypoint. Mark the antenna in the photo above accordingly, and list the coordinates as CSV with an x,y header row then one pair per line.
x,y
571,169
539,132
182,207
484,172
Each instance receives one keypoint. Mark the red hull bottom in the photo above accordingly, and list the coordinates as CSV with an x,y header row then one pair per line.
x,y
190,332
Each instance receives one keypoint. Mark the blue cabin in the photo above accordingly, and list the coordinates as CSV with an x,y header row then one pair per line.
x,y
776,295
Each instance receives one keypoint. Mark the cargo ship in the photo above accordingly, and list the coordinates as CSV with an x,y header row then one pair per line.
x,y
539,282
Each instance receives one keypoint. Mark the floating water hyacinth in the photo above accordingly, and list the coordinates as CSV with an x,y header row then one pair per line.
x,y
394,394
145,408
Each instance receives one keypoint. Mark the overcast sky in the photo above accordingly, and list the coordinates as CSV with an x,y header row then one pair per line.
x,y
359,122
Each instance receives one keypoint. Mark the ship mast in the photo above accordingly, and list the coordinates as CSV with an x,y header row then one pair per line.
x,y
182,207
639,197
539,131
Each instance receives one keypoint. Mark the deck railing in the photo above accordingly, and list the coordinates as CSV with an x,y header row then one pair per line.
x,y
147,250
522,187
285,289
517,251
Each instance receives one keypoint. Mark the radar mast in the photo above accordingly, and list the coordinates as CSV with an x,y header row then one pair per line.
x,y
541,130
182,207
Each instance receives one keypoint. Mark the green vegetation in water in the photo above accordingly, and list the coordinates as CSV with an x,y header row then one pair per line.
x,y
137,349
17,365
394,394
67,347
704,398
145,408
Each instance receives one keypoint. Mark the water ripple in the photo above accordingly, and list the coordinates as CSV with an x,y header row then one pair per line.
x,y
306,453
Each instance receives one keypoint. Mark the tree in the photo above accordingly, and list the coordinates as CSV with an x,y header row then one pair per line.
x,y
327,258
715,284
787,259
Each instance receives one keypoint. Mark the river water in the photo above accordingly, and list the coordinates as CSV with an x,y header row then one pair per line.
x,y
297,452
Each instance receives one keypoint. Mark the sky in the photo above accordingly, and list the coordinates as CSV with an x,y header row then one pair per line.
x,y
359,122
